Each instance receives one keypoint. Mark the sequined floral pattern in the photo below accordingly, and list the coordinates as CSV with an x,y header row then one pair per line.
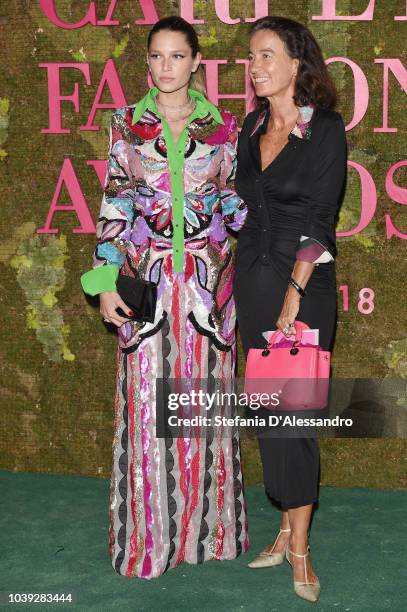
x,y
180,499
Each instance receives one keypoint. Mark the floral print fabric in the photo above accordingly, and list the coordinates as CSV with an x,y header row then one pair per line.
x,y
172,499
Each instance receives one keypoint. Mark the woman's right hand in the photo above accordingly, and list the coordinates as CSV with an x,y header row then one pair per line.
x,y
109,301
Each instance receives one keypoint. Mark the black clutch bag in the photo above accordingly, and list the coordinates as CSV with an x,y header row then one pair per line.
x,y
139,295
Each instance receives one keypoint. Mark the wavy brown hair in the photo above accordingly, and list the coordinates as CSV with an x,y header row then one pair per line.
x,y
313,85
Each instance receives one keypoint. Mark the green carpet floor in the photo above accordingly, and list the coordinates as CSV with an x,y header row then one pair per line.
x,y
54,538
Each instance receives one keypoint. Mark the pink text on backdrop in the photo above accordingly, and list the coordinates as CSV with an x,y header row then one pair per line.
x,y
78,204
331,7
150,14
398,70
368,199
111,79
90,18
365,304
329,10
398,194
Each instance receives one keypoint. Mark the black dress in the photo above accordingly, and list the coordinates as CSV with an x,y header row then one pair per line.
x,y
292,208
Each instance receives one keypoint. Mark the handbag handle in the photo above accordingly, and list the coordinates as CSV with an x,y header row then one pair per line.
x,y
278,334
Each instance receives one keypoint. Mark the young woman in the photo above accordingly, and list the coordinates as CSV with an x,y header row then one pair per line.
x,y
167,202
291,173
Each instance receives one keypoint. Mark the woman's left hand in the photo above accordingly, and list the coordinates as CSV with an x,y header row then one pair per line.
x,y
289,312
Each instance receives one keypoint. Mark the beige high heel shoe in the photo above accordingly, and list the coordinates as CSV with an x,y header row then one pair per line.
x,y
269,559
309,591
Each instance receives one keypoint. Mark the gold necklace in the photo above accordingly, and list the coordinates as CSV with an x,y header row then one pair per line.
x,y
171,120
273,129
175,120
174,109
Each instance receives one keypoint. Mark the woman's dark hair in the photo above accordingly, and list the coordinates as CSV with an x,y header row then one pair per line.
x,y
178,24
313,85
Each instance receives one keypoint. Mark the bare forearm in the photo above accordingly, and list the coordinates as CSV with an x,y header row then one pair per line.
x,y
301,274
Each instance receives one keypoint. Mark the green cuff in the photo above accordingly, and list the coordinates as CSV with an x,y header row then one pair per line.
x,y
100,279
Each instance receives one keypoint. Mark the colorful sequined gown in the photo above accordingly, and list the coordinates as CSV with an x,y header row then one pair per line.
x,y
171,499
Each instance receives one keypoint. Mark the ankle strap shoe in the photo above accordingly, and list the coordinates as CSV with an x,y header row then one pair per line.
x,y
269,558
309,591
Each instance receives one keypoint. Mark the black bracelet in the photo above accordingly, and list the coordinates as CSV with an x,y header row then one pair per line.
x,y
297,287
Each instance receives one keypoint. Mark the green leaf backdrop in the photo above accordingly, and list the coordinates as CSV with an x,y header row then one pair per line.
x,y
58,360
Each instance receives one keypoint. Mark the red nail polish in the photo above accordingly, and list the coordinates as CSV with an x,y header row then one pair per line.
x,y
131,313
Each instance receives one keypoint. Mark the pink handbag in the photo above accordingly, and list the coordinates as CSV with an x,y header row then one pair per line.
x,y
297,374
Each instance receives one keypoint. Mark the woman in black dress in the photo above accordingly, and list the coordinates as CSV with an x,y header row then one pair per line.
x,y
291,174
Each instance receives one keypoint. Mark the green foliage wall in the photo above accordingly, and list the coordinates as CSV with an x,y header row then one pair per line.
x,y
58,360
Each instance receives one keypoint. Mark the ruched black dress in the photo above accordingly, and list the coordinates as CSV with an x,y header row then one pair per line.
x,y
292,208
